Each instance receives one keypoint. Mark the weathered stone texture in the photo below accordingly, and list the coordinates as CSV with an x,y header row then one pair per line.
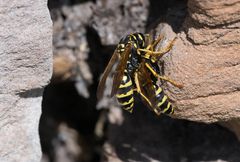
x,y
213,12
70,46
113,19
205,60
25,68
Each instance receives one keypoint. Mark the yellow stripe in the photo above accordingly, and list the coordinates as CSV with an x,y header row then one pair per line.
x,y
163,100
135,45
127,102
159,90
146,56
143,43
164,110
172,111
130,108
153,60
133,36
129,83
138,52
125,95
121,46
139,35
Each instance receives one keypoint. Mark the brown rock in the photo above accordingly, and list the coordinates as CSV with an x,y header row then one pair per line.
x,y
63,66
214,12
205,60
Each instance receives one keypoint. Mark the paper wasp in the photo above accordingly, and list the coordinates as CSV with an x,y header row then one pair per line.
x,y
138,71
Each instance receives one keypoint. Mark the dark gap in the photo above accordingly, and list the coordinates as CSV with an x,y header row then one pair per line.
x,y
99,55
36,92
63,105
122,10
68,116
172,139
172,12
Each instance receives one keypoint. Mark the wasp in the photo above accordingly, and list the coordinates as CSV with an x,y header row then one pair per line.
x,y
137,71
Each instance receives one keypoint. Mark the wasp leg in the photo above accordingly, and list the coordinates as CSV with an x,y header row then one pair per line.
x,y
152,43
138,89
170,81
156,111
163,77
161,52
151,46
155,42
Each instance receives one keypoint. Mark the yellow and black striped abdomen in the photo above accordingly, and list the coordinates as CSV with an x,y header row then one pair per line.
x,y
162,101
125,93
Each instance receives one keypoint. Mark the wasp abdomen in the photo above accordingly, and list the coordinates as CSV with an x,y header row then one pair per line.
x,y
125,93
163,104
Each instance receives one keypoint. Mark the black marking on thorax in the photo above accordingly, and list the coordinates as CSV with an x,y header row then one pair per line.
x,y
137,40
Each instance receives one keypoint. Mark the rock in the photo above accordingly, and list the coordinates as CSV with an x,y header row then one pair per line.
x,y
213,13
204,60
113,19
71,46
69,145
25,68
63,65
202,63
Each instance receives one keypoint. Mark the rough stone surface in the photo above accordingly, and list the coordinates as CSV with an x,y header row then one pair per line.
x,y
70,45
113,19
25,68
213,13
205,60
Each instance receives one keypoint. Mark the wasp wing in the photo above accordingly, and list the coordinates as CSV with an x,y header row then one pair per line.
x,y
118,75
147,89
106,72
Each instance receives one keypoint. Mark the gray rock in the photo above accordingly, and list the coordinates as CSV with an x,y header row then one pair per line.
x,y
71,46
113,19
25,68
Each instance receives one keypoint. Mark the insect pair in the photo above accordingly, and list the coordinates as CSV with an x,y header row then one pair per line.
x,y
138,71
